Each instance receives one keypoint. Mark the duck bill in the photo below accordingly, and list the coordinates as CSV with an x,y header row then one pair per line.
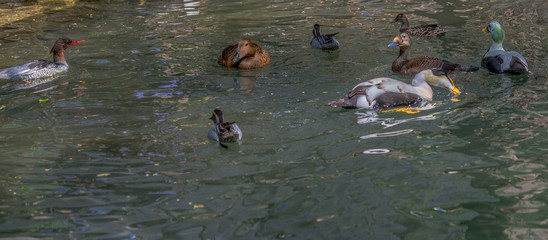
x,y
485,30
74,43
236,58
455,90
393,44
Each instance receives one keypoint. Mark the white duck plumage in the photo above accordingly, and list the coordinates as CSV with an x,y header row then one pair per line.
x,y
387,92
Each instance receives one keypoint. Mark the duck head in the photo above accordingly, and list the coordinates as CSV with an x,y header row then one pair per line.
x,y
402,40
245,49
63,43
438,77
316,31
399,18
217,116
496,32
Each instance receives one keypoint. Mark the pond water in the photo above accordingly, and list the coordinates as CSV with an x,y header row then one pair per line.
x,y
117,147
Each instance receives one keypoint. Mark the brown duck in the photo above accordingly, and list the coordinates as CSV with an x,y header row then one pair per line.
x,y
421,30
244,55
403,64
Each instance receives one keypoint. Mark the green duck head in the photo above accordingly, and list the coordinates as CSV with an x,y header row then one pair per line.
x,y
496,31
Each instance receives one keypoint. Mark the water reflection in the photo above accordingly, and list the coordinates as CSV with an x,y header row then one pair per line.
x,y
119,149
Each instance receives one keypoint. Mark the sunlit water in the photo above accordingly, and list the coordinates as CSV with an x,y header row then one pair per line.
x,y
117,148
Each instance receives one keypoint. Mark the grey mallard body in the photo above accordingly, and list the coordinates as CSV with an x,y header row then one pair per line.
x,y
223,131
496,59
421,30
324,42
387,92
36,69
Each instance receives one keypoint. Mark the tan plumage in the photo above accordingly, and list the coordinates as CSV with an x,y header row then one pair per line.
x,y
421,30
244,55
404,64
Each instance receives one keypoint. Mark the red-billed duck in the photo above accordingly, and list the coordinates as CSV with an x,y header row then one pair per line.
x,y
40,68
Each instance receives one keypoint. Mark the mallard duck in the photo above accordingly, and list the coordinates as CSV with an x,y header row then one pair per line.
x,y
387,92
244,55
421,30
404,64
496,59
324,42
222,131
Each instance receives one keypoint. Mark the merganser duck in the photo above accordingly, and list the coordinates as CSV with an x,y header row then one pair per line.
x,y
403,64
40,68
496,59
244,55
222,131
421,30
324,42
387,92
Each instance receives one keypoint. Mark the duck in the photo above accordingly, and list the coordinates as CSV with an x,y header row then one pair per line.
x,y
405,65
244,55
40,68
380,93
222,131
496,59
421,30
324,42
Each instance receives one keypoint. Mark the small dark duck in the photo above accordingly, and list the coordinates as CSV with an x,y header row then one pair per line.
x,y
421,30
496,59
223,131
405,65
244,55
324,42
385,92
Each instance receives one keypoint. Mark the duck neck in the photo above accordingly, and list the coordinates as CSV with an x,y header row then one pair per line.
x,y
401,60
496,46
59,56
404,24
422,87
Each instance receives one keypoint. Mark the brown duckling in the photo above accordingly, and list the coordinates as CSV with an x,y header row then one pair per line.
x,y
404,64
244,55
421,30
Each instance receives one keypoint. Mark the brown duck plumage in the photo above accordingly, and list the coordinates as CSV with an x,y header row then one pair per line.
x,y
421,30
404,64
244,55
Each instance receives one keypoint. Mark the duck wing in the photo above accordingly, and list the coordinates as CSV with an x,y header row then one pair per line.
x,y
226,57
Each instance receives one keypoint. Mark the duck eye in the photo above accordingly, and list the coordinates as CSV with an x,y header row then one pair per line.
x,y
247,44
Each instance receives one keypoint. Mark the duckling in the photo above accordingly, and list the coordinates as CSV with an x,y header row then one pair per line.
x,y
324,42
387,92
421,30
404,65
496,59
244,55
223,131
